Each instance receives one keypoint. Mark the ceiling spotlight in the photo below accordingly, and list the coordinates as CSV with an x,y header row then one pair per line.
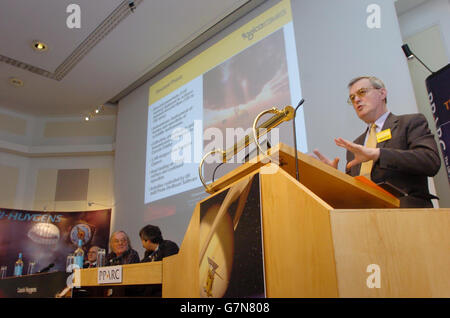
x,y
39,46
98,109
16,81
93,113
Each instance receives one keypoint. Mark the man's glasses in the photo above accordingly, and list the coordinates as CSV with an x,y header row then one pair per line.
x,y
360,93
116,241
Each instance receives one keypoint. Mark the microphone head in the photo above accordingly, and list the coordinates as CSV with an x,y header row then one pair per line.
x,y
46,269
407,51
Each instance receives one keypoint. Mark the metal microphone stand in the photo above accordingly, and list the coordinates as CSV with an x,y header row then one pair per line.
x,y
295,140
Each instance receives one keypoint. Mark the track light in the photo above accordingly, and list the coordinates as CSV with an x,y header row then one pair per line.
x,y
91,115
91,203
132,6
99,109
17,82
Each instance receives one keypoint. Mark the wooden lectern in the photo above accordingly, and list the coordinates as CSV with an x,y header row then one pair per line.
x,y
328,235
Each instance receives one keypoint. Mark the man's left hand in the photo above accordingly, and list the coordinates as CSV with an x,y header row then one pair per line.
x,y
362,154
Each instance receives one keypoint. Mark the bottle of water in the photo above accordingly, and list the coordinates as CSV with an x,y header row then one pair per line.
x,y
18,267
79,254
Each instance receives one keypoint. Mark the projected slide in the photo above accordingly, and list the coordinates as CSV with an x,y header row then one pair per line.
x,y
212,100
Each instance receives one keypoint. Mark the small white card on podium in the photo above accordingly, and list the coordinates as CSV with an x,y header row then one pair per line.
x,y
109,275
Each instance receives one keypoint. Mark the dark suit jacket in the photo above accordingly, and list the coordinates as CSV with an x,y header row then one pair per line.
x,y
406,160
129,257
166,248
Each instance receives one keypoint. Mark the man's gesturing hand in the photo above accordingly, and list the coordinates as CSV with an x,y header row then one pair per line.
x,y
362,154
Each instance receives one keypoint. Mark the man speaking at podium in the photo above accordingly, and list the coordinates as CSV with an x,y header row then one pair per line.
x,y
398,150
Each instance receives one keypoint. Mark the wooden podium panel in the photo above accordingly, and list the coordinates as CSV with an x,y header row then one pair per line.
x,y
410,246
298,245
312,250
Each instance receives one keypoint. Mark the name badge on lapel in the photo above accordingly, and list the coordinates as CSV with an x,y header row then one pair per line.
x,y
384,135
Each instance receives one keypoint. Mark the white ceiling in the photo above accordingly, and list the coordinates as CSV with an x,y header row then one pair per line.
x,y
138,44
405,5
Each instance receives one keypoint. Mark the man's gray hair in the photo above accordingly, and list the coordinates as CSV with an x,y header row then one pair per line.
x,y
374,81
114,234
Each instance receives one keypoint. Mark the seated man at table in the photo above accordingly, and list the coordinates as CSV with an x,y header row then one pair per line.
x,y
156,248
91,260
121,252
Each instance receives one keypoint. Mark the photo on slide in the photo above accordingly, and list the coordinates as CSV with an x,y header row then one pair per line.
x,y
236,91
254,80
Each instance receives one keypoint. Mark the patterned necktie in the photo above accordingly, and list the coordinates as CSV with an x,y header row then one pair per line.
x,y
366,167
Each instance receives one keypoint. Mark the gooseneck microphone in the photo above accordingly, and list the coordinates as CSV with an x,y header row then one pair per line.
x,y
295,139
410,55
47,268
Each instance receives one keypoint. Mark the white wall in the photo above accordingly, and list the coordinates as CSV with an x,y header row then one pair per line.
x,y
49,144
430,13
334,45
129,166
17,197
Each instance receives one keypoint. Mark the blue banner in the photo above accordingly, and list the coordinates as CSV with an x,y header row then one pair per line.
x,y
438,86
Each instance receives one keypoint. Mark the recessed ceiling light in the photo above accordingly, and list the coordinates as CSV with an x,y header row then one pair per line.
x,y
39,46
16,81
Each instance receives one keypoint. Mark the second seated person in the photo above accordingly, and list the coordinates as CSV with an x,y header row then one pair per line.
x,y
121,251
91,260
156,248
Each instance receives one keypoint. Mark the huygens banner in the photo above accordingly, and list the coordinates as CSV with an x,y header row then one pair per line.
x,y
48,237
